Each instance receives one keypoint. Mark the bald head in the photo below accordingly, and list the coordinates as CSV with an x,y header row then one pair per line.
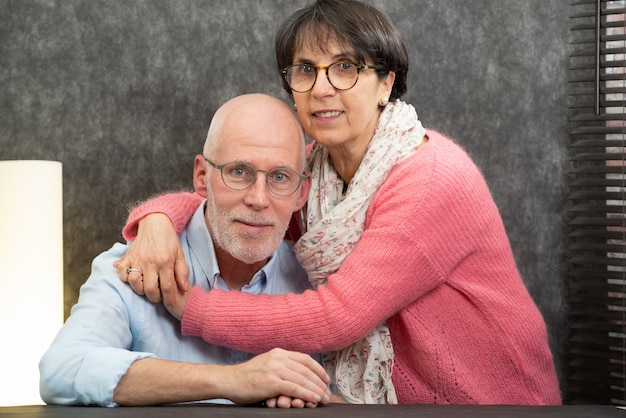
x,y
251,134
255,116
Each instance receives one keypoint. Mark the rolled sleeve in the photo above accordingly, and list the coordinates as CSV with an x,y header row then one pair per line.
x,y
101,371
92,351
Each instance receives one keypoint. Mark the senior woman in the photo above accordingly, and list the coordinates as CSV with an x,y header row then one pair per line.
x,y
418,298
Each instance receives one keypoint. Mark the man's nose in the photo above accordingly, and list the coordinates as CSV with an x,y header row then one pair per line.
x,y
257,195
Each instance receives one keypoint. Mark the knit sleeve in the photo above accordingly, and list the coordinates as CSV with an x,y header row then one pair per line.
x,y
389,270
179,207
355,300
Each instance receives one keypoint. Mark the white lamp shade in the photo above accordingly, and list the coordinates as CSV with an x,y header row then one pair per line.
x,y
31,273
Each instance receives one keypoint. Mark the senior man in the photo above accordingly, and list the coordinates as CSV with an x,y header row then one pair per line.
x,y
118,348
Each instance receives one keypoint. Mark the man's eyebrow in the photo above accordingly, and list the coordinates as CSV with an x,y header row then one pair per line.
x,y
278,166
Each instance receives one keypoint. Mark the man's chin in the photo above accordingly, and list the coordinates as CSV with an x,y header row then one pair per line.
x,y
251,259
256,250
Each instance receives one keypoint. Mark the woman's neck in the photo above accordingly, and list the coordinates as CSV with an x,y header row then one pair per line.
x,y
347,156
346,164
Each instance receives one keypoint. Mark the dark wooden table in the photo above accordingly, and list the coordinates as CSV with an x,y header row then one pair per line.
x,y
341,411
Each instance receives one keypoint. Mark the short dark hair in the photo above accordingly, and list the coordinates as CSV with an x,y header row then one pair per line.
x,y
362,27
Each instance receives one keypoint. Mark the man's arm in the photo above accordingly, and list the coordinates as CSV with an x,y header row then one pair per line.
x,y
278,372
91,362
91,351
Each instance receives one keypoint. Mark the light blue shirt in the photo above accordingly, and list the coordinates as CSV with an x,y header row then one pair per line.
x,y
110,327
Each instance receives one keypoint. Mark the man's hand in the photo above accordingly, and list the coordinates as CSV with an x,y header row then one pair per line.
x,y
154,264
294,379
286,379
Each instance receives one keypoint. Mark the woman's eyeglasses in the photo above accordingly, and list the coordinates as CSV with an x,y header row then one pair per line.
x,y
341,75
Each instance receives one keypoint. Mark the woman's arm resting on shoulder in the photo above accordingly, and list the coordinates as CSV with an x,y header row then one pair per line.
x,y
155,251
158,259
179,207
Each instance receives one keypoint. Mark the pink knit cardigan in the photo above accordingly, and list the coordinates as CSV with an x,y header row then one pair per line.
x,y
434,262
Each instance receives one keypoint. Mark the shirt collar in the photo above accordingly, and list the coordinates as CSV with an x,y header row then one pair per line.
x,y
201,248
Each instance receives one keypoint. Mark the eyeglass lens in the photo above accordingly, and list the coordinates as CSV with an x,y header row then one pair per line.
x,y
341,75
240,176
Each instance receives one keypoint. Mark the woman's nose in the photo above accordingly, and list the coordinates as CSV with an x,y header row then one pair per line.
x,y
322,86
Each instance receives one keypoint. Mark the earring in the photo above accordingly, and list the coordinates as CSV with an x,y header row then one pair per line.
x,y
295,108
383,102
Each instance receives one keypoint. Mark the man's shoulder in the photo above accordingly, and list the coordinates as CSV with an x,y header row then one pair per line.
x,y
108,257
102,269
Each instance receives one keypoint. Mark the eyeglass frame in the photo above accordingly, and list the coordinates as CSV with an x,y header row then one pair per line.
x,y
255,170
359,67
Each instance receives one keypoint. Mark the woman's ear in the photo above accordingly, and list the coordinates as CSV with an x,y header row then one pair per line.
x,y
388,83
200,174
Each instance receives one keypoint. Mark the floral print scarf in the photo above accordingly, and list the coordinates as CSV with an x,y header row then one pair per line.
x,y
360,372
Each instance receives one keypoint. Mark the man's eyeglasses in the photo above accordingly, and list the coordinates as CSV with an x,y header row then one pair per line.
x,y
341,75
240,176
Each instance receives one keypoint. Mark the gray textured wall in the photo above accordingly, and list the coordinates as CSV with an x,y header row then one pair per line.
x,y
122,93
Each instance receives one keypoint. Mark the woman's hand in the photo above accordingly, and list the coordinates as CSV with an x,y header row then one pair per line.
x,y
154,264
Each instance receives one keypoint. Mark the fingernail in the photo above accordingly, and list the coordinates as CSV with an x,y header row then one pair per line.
x,y
326,397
